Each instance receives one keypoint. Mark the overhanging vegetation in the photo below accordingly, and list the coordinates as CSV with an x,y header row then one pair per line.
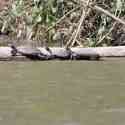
x,y
66,22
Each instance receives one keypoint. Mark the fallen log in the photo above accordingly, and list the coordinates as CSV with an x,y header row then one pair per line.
x,y
41,53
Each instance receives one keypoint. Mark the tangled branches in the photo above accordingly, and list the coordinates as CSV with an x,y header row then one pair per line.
x,y
58,21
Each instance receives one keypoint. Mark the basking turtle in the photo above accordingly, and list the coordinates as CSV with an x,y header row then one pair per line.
x,y
29,52
61,53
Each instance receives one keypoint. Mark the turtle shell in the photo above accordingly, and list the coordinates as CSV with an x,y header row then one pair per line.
x,y
28,50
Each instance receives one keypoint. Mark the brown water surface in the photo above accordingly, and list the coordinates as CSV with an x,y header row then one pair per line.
x,y
62,93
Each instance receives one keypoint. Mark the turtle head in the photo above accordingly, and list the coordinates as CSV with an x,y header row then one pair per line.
x,y
14,50
12,46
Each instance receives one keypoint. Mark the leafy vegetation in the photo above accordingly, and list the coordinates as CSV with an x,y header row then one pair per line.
x,y
29,19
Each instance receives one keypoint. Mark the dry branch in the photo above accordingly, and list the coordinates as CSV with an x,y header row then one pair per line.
x,y
108,14
84,14
96,7
62,18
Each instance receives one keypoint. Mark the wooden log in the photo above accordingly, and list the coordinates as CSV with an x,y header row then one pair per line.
x,y
5,52
62,53
85,53
118,51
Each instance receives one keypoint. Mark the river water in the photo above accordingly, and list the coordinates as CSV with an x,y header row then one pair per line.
x,y
62,93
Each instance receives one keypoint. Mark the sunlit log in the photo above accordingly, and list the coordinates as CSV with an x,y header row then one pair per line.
x,y
52,53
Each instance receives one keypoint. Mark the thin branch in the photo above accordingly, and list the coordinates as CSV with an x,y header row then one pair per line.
x,y
79,27
107,34
109,14
70,40
96,7
62,18
80,23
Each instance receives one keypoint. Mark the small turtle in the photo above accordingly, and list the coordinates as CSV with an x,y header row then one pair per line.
x,y
60,53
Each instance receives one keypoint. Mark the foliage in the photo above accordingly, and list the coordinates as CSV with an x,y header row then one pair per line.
x,y
29,19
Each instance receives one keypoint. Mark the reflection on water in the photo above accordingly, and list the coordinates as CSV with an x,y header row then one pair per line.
x,y
62,93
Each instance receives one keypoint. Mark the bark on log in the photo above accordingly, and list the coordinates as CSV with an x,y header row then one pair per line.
x,y
62,53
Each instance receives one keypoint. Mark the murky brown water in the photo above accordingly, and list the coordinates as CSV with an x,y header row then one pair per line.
x,y
62,93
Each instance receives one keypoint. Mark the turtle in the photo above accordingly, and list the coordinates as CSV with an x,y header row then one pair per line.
x,y
30,52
